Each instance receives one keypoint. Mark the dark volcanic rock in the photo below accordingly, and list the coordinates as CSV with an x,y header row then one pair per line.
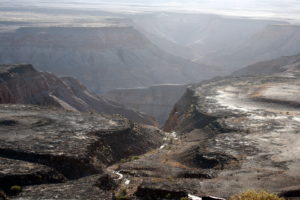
x,y
212,160
83,188
72,144
150,191
105,182
24,85
290,193
16,172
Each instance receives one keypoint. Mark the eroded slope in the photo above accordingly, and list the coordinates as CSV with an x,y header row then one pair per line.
x,y
23,84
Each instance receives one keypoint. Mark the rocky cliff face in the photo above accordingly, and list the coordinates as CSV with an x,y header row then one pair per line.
x,y
156,101
43,146
246,129
102,58
22,84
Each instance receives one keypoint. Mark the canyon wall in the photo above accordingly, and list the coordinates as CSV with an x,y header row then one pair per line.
x,y
102,58
156,101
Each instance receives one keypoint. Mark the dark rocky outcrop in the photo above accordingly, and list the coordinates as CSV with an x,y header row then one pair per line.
x,y
21,173
290,193
105,182
25,85
83,188
150,191
195,119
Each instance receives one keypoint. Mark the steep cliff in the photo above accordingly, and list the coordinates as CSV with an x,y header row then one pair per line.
x,y
156,101
22,84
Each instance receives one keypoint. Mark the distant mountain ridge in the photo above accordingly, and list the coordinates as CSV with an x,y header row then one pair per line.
x,y
228,43
102,58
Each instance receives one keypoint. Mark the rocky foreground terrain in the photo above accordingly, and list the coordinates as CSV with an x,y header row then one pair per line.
x,y
23,84
223,136
62,155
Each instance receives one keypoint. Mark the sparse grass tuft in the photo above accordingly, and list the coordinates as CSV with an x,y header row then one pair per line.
x,y
129,159
255,195
184,198
16,189
122,195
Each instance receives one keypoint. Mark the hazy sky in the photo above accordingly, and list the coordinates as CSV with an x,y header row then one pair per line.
x,y
287,9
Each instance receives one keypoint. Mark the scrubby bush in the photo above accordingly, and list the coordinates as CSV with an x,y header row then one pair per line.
x,y
129,159
122,198
122,195
15,189
255,195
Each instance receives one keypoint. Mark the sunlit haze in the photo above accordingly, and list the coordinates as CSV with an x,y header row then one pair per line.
x,y
272,9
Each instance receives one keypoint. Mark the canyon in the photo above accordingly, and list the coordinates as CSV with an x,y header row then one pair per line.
x,y
224,42
142,105
156,101
102,58
224,136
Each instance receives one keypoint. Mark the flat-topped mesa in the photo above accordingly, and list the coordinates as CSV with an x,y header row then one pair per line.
x,y
74,144
246,128
24,85
83,37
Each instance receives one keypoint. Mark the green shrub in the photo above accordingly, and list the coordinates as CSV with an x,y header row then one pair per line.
x,y
255,195
129,159
184,198
122,195
168,196
170,178
135,157
16,189
122,198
